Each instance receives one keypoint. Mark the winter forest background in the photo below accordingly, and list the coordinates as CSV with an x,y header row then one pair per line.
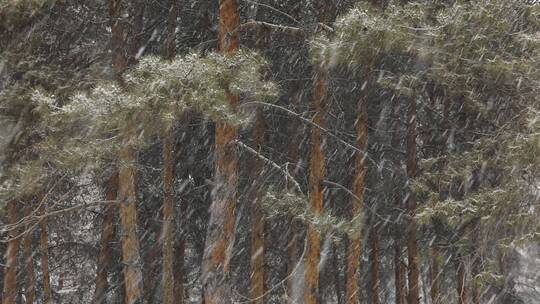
x,y
270,151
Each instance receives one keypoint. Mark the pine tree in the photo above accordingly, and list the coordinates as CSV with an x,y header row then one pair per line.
x,y
168,277
220,236
107,234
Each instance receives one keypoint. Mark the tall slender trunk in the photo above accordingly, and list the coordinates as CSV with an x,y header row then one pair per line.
x,y
316,177
352,293
10,269
126,174
44,246
179,250
326,13
168,220
107,233
435,275
375,261
168,177
399,273
30,280
220,236
461,281
412,250
258,222
128,221
292,237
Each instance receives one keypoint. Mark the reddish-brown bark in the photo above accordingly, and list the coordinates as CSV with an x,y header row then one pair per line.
x,y
44,246
316,177
107,233
30,280
220,235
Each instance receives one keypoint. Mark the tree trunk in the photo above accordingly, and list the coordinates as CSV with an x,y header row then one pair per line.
x,y
375,260
412,250
220,236
30,282
292,237
126,175
168,176
352,293
10,270
128,222
399,273
180,248
168,219
44,245
107,233
258,222
435,274
316,177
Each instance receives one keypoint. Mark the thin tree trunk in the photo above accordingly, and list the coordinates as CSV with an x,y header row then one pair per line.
x,y
375,260
107,233
10,270
399,273
258,222
30,282
180,248
326,13
352,293
126,175
435,275
44,245
316,177
220,236
168,219
128,222
412,250
168,176
292,237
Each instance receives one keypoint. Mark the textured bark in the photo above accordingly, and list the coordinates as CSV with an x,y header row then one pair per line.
x,y
127,197
352,293
118,42
107,233
316,177
399,274
168,219
374,266
435,275
126,175
412,250
258,222
168,177
138,9
10,269
30,280
179,250
292,237
44,246
220,235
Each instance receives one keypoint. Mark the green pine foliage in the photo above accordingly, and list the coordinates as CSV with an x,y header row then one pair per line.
x,y
86,132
